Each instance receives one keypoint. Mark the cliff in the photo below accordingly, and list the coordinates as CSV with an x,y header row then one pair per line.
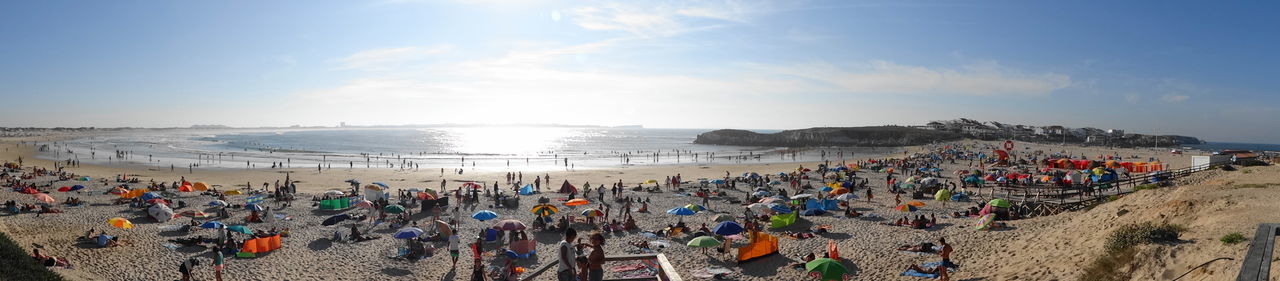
x,y
847,136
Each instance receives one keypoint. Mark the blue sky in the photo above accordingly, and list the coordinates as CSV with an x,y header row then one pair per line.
x,y
1196,68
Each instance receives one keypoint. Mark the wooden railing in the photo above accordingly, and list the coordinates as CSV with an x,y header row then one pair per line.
x,y
666,272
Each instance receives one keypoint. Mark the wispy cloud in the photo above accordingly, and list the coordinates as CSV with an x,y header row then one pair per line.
x,y
666,19
883,77
388,58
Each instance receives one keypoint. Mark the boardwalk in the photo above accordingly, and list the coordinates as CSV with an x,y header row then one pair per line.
x,y
1040,200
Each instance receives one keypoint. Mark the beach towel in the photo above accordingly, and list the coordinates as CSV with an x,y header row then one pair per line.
x,y
914,273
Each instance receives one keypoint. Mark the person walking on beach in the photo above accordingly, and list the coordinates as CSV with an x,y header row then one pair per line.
x,y
946,253
453,249
566,258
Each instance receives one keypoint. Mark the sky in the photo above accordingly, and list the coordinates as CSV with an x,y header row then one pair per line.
x,y
1204,69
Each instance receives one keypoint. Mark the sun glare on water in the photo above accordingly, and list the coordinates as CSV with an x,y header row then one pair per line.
x,y
527,141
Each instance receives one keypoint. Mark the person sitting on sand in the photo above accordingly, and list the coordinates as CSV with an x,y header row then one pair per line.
x,y
850,212
924,247
644,207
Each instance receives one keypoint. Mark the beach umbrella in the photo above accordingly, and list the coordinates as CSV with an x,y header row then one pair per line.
x,y
727,228
999,202
373,187
780,208
200,186
232,192
826,269
443,228
383,185
484,215
335,193
43,198
240,229
703,242
335,219
120,223
846,197
839,191
431,192
916,203
826,189
760,193
942,195
254,207
408,233
592,213
472,185
681,211
984,222
509,225
217,203
365,204
393,209
212,224
576,202
543,210
758,207
906,208
425,196
801,196
723,218
695,207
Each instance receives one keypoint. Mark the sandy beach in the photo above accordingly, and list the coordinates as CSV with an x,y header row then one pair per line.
x,y
867,244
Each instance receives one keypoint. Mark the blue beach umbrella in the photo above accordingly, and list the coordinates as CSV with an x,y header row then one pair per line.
x,y
254,207
727,228
240,229
681,211
383,185
484,215
212,224
77,187
408,233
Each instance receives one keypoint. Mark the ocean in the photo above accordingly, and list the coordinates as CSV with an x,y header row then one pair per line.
x,y
483,148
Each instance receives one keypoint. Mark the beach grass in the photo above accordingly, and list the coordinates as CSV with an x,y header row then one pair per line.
x,y
19,265
1232,238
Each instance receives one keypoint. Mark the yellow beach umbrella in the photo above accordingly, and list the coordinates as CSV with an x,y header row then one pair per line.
x,y
119,222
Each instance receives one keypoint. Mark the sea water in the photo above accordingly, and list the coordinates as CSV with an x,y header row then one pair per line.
x,y
470,148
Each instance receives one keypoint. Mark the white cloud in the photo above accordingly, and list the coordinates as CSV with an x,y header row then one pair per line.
x,y
1174,98
883,77
388,58
664,19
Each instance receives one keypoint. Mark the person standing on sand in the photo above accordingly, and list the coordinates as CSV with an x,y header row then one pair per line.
x,y
566,258
595,260
217,265
946,253
186,267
